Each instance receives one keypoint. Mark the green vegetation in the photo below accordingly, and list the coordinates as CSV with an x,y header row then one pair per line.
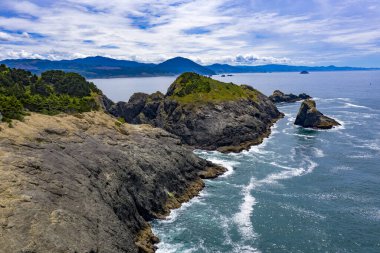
x,y
194,88
54,92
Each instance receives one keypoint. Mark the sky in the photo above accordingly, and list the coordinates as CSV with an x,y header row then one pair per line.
x,y
236,32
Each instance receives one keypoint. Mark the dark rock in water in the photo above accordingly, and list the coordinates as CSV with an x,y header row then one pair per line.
x,y
279,97
304,72
205,113
86,184
309,116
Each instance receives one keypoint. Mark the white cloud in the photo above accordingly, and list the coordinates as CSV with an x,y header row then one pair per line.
x,y
151,31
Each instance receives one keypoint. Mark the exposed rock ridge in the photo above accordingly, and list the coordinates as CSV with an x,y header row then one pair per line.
x,y
308,116
88,183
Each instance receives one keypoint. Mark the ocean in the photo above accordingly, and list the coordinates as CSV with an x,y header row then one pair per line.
x,y
301,190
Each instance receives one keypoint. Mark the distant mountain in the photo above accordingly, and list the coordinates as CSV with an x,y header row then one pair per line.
x,y
179,65
225,68
103,67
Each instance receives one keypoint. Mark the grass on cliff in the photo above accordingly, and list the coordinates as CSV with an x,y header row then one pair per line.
x,y
194,88
51,93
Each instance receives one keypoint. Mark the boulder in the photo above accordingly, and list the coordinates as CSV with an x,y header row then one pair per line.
x,y
308,116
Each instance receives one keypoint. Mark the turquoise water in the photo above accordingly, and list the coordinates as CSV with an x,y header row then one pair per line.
x,y
299,191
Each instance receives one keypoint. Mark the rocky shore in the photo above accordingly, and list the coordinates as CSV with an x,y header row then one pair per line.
x,y
204,113
280,97
88,183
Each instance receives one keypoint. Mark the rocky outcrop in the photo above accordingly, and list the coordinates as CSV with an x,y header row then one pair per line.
x,y
280,97
309,116
88,183
205,113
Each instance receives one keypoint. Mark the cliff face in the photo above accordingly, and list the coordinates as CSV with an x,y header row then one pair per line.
x,y
88,183
204,113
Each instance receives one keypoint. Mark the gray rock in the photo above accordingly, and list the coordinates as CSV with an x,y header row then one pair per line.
x,y
225,125
81,184
280,97
308,116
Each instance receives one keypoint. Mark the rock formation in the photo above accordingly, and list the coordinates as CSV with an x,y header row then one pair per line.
x,y
309,116
204,113
280,97
88,183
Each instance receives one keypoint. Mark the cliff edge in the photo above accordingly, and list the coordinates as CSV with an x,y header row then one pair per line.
x,y
88,183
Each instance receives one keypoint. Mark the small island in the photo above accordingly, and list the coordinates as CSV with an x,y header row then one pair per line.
x,y
304,72
309,117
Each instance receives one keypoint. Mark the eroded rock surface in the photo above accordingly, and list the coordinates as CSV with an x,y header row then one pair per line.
x,y
89,183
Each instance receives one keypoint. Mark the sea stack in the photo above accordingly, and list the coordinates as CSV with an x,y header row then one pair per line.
x,y
308,116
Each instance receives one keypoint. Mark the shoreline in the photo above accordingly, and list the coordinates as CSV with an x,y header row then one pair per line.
x,y
146,240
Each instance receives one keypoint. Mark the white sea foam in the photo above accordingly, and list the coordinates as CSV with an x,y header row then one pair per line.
x,y
303,212
163,247
289,172
361,156
243,217
340,168
351,105
176,212
318,152
229,165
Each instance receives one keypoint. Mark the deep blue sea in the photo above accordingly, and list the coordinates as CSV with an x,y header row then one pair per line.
x,y
301,190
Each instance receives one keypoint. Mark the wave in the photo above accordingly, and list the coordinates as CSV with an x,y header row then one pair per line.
x,y
176,212
229,165
290,172
303,212
331,99
361,156
243,217
318,152
350,105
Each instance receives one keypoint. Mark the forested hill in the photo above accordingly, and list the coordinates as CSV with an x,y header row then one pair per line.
x,y
53,92
103,67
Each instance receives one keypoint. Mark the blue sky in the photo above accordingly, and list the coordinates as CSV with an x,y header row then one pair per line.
x,y
239,32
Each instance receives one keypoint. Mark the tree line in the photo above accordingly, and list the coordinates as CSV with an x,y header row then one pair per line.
x,y
51,93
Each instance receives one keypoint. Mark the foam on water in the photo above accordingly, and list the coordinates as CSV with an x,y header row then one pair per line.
x,y
318,152
243,217
176,212
229,165
351,105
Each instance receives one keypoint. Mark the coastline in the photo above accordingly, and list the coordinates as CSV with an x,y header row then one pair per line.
x,y
146,240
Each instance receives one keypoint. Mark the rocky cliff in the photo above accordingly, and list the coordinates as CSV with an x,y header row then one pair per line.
x,y
204,113
88,183
309,116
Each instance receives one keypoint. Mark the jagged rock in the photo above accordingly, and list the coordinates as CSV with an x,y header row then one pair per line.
x,y
280,97
204,113
80,184
309,116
